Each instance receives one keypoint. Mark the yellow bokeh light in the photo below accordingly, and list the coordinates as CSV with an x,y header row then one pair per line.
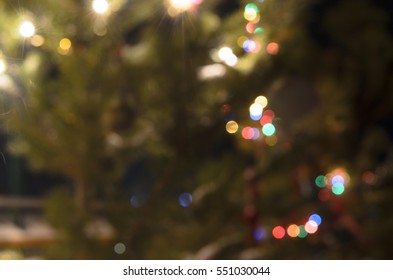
x,y
3,66
65,44
271,140
250,14
232,127
37,40
100,6
27,29
241,40
261,100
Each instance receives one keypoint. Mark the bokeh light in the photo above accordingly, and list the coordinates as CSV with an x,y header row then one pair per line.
x,y
272,48
137,201
262,100
250,27
249,45
256,133
256,109
226,55
368,177
338,179
265,119
269,113
268,129
100,6
3,66
302,232
241,40
278,232
293,230
338,189
324,195
185,199
321,181
311,227
232,127
271,140
27,29
316,218
248,133
37,40
250,14
260,233
119,248
64,46
255,117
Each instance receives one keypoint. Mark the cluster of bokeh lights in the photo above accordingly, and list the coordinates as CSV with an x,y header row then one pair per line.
x,y
332,183
265,128
251,43
301,231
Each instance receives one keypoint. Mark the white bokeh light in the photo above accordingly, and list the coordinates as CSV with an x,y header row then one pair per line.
x,y
27,29
100,6
3,66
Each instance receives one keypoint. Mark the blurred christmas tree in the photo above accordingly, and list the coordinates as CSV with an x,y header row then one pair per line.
x,y
130,101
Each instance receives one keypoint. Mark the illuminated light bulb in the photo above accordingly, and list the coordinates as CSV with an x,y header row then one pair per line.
x,y
27,29
302,232
311,227
3,66
278,232
272,48
261,100
268,129
37,40
316,218
100,6
232,127
185,199
256,109
293,230
321,181
271,140
338,189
